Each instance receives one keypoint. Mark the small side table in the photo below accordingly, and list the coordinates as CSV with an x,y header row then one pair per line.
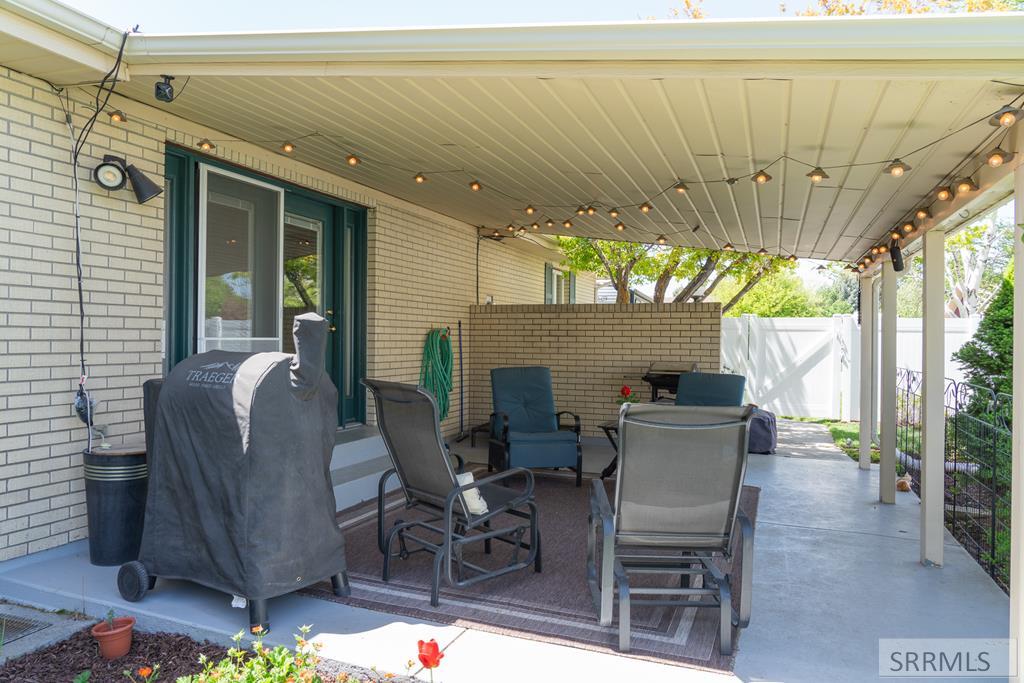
x,y
611,430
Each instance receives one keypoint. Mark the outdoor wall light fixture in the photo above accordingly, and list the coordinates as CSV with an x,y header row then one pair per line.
x,y
817,175
114,173
1007,116
896,168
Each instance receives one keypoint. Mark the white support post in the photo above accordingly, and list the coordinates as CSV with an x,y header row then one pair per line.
x,y
933,432
887,401
1017,457
867,352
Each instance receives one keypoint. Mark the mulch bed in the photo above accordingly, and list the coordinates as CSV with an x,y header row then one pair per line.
x,y
177,655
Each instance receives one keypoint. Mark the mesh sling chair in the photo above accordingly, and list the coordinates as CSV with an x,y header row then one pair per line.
x,y
710,389
676,511
525,429
408,419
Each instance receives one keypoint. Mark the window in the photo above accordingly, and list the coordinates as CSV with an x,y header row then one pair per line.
x,y
247,254
559,285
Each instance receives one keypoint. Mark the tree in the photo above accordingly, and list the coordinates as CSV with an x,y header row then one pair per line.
x,y
987,360
970,254
779,295
698,272
839,296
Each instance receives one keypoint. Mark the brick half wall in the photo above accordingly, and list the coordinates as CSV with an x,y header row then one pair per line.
x,y
592,349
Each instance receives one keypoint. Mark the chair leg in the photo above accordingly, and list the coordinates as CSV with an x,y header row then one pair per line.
x,y
339,584
624,614
725,620
487,542
579,464
536,540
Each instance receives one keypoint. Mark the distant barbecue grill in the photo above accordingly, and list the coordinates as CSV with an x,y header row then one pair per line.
x,y
664,376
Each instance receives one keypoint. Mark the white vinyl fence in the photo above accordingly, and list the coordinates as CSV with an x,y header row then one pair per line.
x,y
809,367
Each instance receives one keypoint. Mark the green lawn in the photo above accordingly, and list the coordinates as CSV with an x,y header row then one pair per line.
x,y
845,434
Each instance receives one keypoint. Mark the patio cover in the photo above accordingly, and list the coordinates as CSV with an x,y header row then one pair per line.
x,y
240,496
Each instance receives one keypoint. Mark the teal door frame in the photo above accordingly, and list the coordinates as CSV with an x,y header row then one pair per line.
x,y
344,271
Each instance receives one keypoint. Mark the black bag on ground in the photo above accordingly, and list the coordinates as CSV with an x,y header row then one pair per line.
x,y
240,497
763,432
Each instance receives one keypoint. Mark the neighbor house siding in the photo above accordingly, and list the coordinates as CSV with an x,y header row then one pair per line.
x,y
421,273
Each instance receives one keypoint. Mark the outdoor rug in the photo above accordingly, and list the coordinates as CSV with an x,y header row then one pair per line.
x,y
553,606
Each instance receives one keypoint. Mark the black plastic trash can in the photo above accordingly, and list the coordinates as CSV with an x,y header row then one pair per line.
x,y
116,483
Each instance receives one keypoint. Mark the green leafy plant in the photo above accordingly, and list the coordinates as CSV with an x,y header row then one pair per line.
x,y
110,619
262,664
83,676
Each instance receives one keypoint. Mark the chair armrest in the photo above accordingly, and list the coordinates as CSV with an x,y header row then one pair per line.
x,y
526,494
504,425
575,417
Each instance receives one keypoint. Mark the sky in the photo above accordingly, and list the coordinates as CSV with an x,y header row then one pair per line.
x,y
198,16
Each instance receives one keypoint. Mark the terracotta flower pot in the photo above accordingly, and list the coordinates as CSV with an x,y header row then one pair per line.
x,y
114,642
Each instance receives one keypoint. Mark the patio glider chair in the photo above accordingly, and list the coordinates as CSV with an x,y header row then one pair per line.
x,y
710,389
457,514
525,429
676,512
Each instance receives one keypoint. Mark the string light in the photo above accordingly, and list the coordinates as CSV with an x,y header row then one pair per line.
x,y
580,210
645,208
861,267
529,210
620,226
896,168
868,260
567,223
944,194
287,147
661,239
761,177
206,145
923,212
510,227
882,249
419,178
591,211
728,247
681,187
874,249
1006,116
965,185
535,226
762,252
522,230
909,227
550,223
793,258
998,157
117,116
895,234
614,213
352,160
817,174
475,185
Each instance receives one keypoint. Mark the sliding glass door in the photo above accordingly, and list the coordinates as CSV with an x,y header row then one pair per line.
x,y
256,253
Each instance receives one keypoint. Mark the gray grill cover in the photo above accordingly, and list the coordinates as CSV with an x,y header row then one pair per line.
x,y
240,495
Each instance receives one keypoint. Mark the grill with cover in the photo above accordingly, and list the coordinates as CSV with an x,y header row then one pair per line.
x,y
240,496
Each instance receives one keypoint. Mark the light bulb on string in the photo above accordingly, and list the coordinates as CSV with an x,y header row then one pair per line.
x,y
923,212
909,227
645,208
761,177
352,160
998,157
580,210
287,147
620,226
614,213
475,185
1006,116
965,185
662,239
550,223
817,175
567,223
896,168
529,210
419,178
728,247
681,187
944,194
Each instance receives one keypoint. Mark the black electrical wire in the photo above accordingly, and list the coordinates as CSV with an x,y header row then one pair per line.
x,y
104,91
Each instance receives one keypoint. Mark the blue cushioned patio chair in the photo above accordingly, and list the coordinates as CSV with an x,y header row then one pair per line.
x,y
710,389
526,431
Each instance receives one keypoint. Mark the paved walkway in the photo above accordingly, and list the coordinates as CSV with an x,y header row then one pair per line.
x,y
808,440
834,571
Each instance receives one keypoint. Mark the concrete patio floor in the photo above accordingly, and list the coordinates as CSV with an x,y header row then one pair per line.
x,y
834,572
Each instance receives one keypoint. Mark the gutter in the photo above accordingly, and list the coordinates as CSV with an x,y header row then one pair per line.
x,y
68,22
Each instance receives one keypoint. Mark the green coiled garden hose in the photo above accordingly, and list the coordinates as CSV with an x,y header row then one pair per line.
x,y
436,369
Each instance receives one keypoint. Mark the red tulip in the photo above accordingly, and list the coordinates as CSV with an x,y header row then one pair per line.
x,y
430,654
625,391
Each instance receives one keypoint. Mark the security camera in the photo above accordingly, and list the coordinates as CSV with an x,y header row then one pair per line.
x,y
163,90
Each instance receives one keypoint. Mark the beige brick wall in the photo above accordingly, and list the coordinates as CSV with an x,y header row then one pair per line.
x,y
520,280
421,272
592,350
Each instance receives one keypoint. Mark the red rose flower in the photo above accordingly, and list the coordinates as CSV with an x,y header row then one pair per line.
x,y
625,391
430,654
